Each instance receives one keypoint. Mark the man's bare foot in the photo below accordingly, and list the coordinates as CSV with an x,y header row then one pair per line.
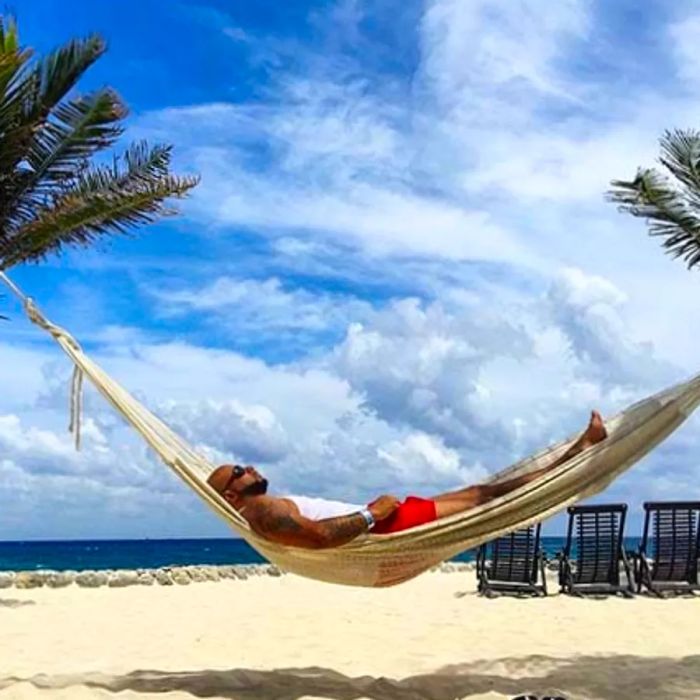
x,y
595,432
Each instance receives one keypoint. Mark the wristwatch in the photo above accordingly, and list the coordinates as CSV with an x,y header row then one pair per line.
x,y
369,518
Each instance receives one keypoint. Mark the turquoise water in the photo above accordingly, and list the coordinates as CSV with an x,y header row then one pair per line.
x,y
148,554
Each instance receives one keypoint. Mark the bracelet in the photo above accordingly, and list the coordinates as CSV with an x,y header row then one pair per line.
x,y
369,518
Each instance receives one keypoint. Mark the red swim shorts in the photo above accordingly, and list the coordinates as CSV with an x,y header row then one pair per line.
x,y
410,513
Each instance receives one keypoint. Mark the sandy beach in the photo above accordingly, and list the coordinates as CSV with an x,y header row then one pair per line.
x,y
289,638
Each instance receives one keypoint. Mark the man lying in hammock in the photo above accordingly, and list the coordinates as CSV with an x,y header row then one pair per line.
x,y
316,523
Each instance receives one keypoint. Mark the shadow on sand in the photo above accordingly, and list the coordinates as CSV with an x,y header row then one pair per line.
x,y
14,603
612,677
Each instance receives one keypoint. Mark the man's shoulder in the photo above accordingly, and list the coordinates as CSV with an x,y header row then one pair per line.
x,y
270,516
264,505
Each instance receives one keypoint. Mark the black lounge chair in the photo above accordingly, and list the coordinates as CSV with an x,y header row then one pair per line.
x,y
512,564
668,553
590,561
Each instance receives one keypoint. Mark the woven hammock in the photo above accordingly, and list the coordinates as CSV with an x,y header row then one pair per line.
x,y
385,560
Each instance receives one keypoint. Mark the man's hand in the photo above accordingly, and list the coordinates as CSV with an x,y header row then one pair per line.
x,y
382,507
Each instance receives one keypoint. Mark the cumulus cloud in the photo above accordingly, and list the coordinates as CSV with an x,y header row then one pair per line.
x,y
423,460
494,383
264,309
252,432
420,365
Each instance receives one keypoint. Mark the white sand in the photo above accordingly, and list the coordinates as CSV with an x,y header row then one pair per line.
x,y
287,638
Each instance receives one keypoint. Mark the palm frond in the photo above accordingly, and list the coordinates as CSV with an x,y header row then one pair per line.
x,y
103,201
670,205
140,164
58,73
15,91
11,56
35,91
680,155
50,195
79,128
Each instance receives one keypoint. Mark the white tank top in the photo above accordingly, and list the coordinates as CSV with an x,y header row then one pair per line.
x,y
320,508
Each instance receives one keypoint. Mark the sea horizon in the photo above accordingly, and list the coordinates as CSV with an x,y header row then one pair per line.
x,y
153,553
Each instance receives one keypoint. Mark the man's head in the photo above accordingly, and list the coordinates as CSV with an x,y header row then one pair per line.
x,y
233,482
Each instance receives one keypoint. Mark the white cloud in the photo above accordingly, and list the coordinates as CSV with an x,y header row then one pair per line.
x,y
683,37
496,382
485,44
423,460
230,427
501,151
263,308
581,290
21,374
383,217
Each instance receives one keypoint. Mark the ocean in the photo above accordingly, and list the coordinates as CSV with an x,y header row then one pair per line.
x,y
150,554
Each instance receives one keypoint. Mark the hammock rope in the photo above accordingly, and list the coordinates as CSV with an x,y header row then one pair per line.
x,y
385,560
36,317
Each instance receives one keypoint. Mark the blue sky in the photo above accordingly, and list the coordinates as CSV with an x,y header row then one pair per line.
x,y
399,272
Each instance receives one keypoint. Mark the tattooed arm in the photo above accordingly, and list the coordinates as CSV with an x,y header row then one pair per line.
x,y
280,522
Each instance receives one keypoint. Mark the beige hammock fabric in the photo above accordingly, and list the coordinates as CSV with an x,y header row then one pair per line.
x,y
385,560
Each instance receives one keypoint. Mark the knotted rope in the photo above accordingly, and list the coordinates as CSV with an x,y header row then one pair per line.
x,y
61,335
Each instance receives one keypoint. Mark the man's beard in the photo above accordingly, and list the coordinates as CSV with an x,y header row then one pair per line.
x,y
257,489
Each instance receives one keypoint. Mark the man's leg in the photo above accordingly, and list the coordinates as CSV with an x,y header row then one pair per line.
x,y
472,496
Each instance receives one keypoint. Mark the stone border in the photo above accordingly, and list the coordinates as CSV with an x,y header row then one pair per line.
x,y
165,576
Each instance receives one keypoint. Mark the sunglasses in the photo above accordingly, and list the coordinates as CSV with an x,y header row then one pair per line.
x,y
236,473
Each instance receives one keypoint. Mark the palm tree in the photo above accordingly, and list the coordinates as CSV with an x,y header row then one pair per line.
x,y
51,195
669,201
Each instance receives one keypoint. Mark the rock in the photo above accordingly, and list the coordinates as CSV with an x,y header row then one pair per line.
x,y
273,571
30,579
146,578
7,579
200,574
91,579
181,576
163,577
239,572
226,572
206,573
121,578
197,574
60,579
